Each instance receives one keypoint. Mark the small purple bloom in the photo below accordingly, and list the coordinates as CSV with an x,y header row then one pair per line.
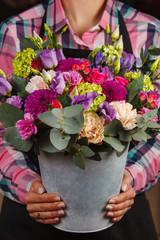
x,y
60,55
106,70
26,127
15,101
85,100
58,84
5,86
99,58
108,112
127,61
49,58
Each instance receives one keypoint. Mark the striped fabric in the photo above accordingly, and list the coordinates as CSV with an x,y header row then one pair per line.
x,y
17,172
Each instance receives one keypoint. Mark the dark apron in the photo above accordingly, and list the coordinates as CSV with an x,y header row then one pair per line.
x,y
137,224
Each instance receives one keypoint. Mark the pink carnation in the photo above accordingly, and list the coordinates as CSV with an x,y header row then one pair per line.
x,y
26,127
74,77
96,77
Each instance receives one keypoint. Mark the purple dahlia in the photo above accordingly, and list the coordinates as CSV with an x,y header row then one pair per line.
x,y
114,91
66,64
37,102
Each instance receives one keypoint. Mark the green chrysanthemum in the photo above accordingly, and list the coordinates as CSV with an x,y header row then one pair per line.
x,y
89,87
131,75
148,86
97,101
22,62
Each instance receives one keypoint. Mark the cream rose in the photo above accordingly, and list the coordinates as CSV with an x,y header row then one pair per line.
x,y
93,128
125,114
36,83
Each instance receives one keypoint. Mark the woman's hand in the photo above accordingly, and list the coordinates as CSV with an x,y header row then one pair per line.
x,y
44,207
119,205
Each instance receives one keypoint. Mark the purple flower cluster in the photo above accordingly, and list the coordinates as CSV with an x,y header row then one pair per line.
x,y
114,91
37,102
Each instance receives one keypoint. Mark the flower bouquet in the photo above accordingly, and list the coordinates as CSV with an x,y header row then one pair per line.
x,y
83,112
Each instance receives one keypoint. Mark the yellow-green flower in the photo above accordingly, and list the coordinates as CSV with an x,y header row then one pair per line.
x,y
131,75
148,86
97,101
89,87
22,62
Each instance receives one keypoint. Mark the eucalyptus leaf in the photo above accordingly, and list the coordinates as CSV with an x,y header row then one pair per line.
x,y
154,50
114,143
18,83
124,136
150,115
57,113
58,139
45,143
10,114
72,111
140,122
12,136
95,157
83,141
86,151
49,119
152,124
79,160
71,126
141,135
112,128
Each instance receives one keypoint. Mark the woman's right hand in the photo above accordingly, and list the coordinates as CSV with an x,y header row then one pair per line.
x,y
44,207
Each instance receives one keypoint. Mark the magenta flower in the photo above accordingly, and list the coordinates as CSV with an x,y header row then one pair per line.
x,y
114,91
49,58
15,101
66,64
121,80
37,102
26,127
96,77
74,77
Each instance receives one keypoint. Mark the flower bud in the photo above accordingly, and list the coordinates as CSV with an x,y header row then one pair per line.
x,y
115,34
37,37
107,29
152,97
117,66
154,104
46,76
155,65
119,44
56,104
142,97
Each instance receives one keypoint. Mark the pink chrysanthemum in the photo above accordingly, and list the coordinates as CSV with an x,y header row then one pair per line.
x,y
37,102
114,91
66,64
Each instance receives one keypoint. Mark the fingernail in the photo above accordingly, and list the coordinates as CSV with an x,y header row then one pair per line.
x,y
56,199
124,187
56,219
111,201
110,214
109,207
61,205
114,219
40,190
60,212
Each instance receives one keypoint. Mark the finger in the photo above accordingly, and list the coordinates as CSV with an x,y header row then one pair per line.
x,y
126,182
116,219
48,221
38,187
120,206
122,197
39,198
117,213
47,215
45,207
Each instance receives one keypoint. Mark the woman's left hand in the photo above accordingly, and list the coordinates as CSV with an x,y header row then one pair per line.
x,y
119,205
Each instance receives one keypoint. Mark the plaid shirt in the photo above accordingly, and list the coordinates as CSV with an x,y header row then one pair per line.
x,y
17,172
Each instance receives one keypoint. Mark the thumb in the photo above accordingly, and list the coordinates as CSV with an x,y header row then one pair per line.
x,y
126,181
38,186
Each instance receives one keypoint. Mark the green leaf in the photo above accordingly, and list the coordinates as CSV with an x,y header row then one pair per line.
x,y
45,143
150,115
12,136
10,114
86,151
134,87
140,122
71,126
58,139
64,100
83,141
118,154
96,157
114,143
57,113
27,43
112,128
154,51
124,136
152,124
79,160
80,119
49,119
72,111
140,135
18,83
23,94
